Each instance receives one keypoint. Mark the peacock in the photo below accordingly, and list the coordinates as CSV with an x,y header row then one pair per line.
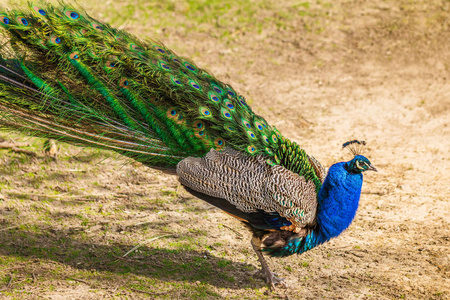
x,y
66,76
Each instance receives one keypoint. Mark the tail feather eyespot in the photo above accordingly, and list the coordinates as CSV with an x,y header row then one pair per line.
x,y
111,64
246,123
259,125
242,102
124,83
195,85
135,47
251,134
23,21
55,40
225,113
72,15
163,65
251,149
175,80
217,89
159,49
270,162
40,11
231,92
219,143
200,134
205,112
229,105
5,20
74,56
212,96
190,67
274,138
174,114
198,125
230,128
97,26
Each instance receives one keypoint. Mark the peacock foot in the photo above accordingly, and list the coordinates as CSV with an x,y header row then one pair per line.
x,y
271,278
293,228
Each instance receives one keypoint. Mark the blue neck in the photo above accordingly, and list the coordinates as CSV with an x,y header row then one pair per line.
x,y
338,201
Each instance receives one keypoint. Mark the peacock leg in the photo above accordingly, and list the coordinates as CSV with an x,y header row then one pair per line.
x,y
265,272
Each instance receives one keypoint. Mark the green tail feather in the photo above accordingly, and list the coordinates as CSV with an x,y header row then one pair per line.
x,y
66,75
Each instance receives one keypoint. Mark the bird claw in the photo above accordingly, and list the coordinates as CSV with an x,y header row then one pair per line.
x,y
271,279
292,228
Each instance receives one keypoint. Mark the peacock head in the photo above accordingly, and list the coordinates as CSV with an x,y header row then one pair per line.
x,y
359,163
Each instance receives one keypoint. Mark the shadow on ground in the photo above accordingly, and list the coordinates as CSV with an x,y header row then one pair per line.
x,y
65,247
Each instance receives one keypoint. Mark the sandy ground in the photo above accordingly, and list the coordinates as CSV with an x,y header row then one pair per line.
x,y
379,71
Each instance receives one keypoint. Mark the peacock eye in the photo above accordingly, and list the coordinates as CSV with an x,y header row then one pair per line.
x,y
365,165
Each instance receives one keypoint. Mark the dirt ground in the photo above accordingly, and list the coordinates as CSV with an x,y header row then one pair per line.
x,y
372,70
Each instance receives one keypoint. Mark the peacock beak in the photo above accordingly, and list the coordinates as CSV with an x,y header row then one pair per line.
x,y
372,168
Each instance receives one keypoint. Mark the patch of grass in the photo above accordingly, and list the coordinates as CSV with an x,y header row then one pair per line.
x,y
199,231
223,263
304,264
228,17
166,193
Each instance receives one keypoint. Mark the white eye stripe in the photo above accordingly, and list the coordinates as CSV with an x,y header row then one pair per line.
x,y
361,167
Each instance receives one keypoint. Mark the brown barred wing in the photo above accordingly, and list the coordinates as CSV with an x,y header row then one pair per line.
x,y
251,185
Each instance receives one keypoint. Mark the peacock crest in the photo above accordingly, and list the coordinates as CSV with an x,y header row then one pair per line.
x,y
354,147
